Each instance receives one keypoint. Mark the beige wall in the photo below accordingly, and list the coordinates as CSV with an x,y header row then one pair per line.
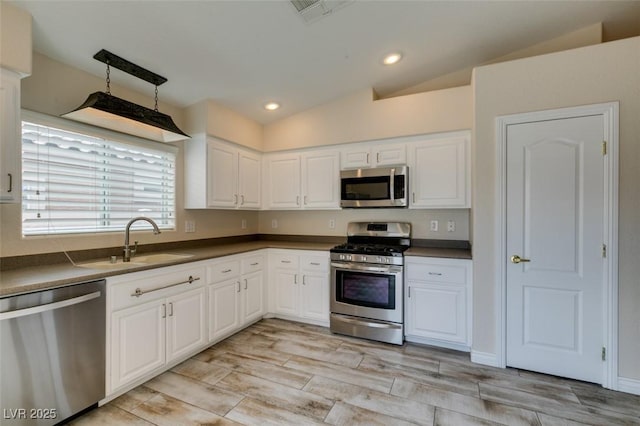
x,y
595,74
15,39
583,37
317,222
211,118
360,117
55,88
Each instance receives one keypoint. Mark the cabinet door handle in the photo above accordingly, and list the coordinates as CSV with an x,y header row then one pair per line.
x,y
242,200
164,310
226,271
304,280
238,286
315,263
245,284
295,279
255,264
435,273
285,261
170,309
297,200
413,197
235,198
367,158
305,200
10,182
409,292
377,157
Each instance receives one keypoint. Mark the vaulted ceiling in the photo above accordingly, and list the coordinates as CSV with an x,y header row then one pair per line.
x,y
243,54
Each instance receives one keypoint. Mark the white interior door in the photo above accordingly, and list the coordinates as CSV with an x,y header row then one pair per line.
x,y
555,224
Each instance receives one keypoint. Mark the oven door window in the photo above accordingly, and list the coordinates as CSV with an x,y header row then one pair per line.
x,y
366,289
366,188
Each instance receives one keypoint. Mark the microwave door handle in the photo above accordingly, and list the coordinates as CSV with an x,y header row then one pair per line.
x,y
392,184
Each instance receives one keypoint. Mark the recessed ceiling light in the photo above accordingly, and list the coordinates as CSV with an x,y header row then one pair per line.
x,y
271,106
392,58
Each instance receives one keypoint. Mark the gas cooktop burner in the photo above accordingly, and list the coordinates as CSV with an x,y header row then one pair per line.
x,y
370,249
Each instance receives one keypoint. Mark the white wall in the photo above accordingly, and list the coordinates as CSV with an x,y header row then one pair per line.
x,y
595,74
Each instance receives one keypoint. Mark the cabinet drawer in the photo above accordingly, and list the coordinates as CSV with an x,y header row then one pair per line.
x,y
315,263
437,273
223,270
285,260
153,286
252,264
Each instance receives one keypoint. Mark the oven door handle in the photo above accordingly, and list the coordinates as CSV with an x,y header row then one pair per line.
x,y
368,323
346,266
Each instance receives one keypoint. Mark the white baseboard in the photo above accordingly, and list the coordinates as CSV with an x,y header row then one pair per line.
x,y
435,342
629,385
484,358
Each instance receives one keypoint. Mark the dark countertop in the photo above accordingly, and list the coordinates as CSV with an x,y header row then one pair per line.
x,y
451,253
42,277
36,273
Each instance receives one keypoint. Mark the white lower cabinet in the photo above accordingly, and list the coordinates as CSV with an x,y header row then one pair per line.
x,y
300,285
236,294
155,317
438,301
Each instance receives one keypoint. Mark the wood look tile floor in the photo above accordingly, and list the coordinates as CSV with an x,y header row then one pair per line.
x,y
285,373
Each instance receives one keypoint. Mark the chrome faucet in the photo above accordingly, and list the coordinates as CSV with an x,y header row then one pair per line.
x,y
128,252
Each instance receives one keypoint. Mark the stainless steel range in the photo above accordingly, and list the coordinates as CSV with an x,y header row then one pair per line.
x,y
367,281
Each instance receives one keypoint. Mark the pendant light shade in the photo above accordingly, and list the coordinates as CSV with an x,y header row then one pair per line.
x,y
102,109
111,112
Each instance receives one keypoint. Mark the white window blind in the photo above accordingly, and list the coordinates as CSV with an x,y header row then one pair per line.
x,y
75,183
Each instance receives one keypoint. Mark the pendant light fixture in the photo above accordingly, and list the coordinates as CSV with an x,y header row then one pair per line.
x,y
102,109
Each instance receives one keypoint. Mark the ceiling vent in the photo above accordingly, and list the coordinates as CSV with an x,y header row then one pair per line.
x,y
313,10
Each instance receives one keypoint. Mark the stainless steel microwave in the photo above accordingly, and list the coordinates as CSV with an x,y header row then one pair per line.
x,y
378,187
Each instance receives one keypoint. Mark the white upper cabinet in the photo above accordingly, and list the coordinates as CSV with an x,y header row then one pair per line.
x,y
440,171
283,181
308,180
361,156
321,180
10,131
221,175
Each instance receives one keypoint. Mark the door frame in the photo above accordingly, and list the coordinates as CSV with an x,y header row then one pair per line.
x,y
609,111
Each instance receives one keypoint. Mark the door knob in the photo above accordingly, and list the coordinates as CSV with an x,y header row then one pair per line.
x,y
517,259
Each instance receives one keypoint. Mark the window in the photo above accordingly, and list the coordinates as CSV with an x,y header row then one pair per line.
x,y
77,183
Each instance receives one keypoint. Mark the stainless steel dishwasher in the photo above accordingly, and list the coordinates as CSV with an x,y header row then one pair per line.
x,y
52,353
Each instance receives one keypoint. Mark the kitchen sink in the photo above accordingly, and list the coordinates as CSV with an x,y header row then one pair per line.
x,y
151,259
107,264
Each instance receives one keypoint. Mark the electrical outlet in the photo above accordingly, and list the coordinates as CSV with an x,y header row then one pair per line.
x,y
274,223
332,224
244,224
189,226
434,226
451,226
